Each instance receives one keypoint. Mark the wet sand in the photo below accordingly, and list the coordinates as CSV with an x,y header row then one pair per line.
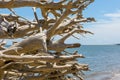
x,y
104,76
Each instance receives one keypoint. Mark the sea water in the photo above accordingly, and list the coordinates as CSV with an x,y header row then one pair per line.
x,y
103,61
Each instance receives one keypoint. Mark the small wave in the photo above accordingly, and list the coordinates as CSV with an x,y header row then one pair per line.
x,y
116,76
100,76
104,76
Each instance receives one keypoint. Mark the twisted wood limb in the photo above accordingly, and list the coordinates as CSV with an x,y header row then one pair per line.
x,y
42,58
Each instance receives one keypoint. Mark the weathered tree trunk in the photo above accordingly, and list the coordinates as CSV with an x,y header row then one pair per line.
x,y
38,56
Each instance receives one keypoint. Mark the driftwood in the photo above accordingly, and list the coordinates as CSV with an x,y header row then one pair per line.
x,y
39,56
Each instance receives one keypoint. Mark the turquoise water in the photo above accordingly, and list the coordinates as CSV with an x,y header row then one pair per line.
x,y
103,60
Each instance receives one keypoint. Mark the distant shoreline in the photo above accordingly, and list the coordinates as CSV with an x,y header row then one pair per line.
x,y
117,44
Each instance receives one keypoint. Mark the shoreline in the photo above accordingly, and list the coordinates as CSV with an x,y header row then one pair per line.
x,y
103,76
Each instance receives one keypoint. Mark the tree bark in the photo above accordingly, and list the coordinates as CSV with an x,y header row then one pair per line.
x,y
38,52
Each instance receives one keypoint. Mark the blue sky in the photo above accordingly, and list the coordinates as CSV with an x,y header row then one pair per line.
x,y
106,29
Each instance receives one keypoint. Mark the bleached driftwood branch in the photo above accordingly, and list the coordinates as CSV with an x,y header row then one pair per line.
x,y
42,58
38,52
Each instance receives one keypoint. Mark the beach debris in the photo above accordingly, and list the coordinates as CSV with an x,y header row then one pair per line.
x,y
40,55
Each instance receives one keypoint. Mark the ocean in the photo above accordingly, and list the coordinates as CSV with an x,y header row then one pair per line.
x,y
103,61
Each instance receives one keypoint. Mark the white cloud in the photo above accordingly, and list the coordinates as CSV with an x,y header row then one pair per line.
x,y
106,31
113,15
